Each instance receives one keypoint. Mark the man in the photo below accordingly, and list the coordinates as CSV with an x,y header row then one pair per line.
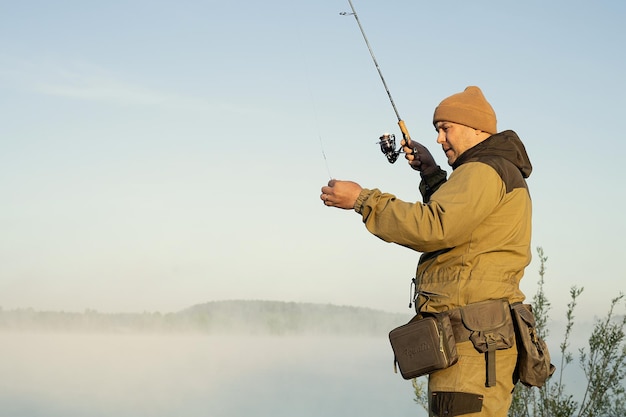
x,y
474,231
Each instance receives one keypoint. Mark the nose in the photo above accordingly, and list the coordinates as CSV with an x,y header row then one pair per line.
x,y
441,136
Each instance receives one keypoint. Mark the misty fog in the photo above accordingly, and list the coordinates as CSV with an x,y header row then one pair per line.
x,y
273,359
136,375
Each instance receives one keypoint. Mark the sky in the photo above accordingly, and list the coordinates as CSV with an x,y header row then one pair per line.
x,y
155,155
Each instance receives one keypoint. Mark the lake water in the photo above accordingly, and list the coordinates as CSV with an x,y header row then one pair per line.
x,y
91,375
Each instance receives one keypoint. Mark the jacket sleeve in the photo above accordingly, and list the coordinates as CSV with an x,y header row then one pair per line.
x,y
460,204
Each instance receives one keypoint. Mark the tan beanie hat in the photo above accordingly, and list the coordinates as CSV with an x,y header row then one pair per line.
x,y
469,108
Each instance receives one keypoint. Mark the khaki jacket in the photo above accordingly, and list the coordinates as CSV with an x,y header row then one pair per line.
x,y
473,230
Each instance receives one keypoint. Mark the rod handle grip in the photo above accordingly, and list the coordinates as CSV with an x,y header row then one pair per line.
x,y
405,134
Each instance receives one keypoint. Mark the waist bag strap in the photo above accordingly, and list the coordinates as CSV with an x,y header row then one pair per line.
x,y
490,356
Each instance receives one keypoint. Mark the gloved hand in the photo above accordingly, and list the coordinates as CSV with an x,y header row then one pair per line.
x,y
422,161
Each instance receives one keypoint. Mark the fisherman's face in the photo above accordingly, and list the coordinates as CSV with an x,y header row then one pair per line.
x,y
456,139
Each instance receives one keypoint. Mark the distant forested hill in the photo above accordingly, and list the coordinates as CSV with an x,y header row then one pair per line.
x,y
217,317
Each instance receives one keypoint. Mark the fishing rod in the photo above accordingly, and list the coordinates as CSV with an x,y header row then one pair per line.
x,y
387,141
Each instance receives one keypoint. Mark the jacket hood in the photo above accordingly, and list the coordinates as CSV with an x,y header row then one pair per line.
x,y
505,145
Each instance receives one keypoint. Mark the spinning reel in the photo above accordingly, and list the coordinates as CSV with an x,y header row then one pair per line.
x,y
387,144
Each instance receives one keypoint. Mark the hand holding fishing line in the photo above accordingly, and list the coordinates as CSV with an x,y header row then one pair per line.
x,y
341,194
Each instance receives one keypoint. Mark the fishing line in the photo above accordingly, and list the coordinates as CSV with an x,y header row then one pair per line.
x,y
312,101
325,159
319,134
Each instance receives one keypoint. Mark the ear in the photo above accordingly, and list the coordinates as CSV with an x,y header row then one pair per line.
x,y
481,135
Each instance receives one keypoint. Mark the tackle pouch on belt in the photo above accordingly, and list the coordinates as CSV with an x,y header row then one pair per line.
x,y
490,328
533,360
423,345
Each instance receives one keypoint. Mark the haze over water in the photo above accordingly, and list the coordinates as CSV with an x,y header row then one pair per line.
x,y
137,375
